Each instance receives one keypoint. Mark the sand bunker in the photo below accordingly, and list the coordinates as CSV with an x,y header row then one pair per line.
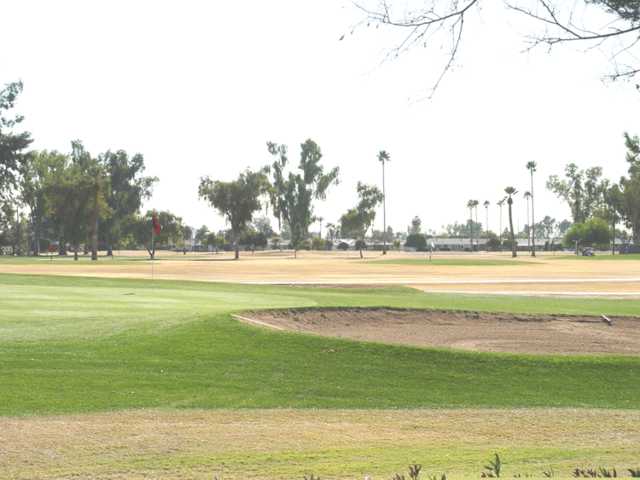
x,y
487,332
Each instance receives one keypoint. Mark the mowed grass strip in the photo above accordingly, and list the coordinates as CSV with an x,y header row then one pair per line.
x,y
282,443
86,344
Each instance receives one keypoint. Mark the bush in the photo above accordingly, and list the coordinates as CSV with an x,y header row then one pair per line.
x,y
343,246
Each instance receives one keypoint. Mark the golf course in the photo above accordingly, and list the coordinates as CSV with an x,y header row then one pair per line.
x,y
106,377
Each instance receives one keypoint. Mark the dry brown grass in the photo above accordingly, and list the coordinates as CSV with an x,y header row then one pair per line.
x,y
331,443
545,274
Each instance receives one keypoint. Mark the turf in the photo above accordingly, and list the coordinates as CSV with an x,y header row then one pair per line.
x,y
600,256
453,262
86,344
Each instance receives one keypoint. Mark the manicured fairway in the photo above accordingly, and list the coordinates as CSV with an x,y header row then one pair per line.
x,y
82,344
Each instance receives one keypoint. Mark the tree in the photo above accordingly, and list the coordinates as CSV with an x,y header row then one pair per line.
x,y
139,227
127,189
12,143
630,186
532,167
615,208
510,191
359,219
201,235
417,241
236,200
416,225
471,205
583,190
547,226
37,167
500,204
486,218
594,231
527,227
384,157
74,192
292,195
439,26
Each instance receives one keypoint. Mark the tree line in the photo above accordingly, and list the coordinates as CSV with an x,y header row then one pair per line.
x,y
79,199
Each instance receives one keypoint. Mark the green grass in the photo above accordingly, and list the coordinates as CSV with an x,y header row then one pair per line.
x,y
451,262
86,344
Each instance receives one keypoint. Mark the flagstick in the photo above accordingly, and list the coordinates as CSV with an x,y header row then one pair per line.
x,y
153,253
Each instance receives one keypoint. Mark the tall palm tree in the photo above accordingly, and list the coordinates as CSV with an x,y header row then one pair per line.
x,y
500,203
532,166
470,205
486,217
527,196
475,206
384,157
510,191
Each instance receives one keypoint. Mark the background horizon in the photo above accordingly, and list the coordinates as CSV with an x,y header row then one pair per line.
x,y
200,90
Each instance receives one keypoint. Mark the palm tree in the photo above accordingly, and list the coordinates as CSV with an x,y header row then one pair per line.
x,y
475,206
510,191
486,211
384,157
527,196
470,205
531,166
500,203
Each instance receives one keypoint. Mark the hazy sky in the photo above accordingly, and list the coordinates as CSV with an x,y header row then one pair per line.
x,y
198,87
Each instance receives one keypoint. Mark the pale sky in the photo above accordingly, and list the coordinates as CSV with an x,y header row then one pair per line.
x,y
199,87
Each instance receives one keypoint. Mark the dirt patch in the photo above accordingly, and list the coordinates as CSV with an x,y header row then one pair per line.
x,y
477,331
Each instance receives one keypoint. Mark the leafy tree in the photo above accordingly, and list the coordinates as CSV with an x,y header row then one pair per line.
x,y
201,235
563,227
416,225
263,225
237,200
139,227
37,167
583,190
547,227
357,220
614,199
460,230
74,192
12,143
292,194
594,231
510,191
417,241
630,186
126,190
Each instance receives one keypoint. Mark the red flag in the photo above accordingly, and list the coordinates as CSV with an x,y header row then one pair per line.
x,y
156,224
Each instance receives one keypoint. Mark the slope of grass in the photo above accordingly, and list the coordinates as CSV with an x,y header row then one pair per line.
x,y
83,344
